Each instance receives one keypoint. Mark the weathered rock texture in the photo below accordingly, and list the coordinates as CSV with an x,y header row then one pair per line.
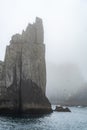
x,y
24,69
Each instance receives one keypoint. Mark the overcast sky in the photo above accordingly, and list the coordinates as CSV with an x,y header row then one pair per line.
x,y
65,27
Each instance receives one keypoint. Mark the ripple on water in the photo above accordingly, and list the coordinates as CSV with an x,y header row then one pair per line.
x,y
76,120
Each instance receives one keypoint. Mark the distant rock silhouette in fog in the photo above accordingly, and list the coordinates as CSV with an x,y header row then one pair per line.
x,y
80,98
64,80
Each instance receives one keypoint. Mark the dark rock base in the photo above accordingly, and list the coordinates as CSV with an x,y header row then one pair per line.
x,y
6,111
27,99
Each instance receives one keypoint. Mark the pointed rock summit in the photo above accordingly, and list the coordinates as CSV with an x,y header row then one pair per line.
x,y
23,73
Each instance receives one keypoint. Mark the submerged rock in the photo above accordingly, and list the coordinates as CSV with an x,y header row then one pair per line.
x,y
24,68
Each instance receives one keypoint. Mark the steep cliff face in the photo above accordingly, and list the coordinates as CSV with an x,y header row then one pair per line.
x,y
2,78
25,69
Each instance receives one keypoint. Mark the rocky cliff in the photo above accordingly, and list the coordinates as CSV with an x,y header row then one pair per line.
x,y
24,69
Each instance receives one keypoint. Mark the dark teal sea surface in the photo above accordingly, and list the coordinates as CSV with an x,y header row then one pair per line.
x,y
76,120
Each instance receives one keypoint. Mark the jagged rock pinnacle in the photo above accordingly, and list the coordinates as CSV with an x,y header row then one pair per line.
x,y
25,70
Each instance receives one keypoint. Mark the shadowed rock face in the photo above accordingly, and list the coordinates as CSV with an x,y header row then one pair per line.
x,y
25,71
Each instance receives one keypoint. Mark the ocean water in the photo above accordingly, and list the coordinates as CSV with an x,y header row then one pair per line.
x,y
76,120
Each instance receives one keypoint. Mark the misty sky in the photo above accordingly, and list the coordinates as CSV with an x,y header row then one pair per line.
x,y
65,27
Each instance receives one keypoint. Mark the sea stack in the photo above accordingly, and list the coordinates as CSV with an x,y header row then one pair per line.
x,y
23,73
